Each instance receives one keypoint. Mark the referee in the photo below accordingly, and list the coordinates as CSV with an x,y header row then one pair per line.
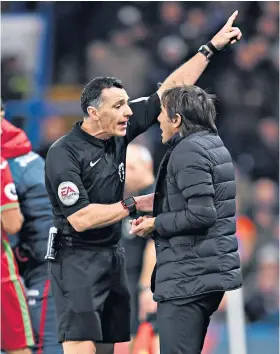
x,y
85,175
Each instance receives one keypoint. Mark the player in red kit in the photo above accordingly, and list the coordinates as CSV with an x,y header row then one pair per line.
x,y
16,329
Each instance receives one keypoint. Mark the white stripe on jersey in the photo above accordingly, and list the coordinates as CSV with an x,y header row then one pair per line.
x,y
139,99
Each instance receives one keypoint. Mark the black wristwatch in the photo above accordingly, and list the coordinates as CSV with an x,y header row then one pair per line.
x,y
208,50
205,51
130,204
213,49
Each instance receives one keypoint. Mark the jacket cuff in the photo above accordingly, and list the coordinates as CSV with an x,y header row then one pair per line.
x,y
158,226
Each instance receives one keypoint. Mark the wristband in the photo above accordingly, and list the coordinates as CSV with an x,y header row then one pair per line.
x,y
213,49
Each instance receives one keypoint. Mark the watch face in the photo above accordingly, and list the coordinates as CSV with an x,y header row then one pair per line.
x,y
129,201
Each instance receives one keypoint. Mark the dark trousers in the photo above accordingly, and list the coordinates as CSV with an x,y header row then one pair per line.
x,y
183,326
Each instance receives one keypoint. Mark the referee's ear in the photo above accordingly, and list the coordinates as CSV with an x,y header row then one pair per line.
x,y
92,112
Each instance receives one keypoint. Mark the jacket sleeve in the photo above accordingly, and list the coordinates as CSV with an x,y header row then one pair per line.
x,y
192,170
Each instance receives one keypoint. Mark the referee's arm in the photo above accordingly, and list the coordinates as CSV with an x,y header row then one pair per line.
x,y
147,109
145,114
64,175
187,74
96,216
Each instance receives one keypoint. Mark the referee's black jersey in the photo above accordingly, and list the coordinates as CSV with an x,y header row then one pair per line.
x,y
81,169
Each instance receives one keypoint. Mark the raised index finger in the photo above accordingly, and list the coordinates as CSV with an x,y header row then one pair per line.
x,y
231,19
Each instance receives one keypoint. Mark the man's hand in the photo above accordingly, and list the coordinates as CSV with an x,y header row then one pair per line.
x,y
228,34
146,304
145,202
142,226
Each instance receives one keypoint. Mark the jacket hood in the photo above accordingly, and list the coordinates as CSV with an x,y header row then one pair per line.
x,y
14,141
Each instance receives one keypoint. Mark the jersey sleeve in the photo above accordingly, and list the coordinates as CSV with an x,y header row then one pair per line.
x,y
145,112
63,173
9,198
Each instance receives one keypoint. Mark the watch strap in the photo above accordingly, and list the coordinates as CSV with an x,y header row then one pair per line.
x,y
205,51
213,49
130,205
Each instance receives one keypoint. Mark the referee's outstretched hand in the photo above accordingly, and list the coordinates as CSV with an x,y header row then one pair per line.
x,y
228,34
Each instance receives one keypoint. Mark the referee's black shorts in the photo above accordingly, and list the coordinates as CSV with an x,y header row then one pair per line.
x,y
91,295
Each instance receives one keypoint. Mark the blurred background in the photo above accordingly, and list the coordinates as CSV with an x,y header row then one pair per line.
x,y
50,50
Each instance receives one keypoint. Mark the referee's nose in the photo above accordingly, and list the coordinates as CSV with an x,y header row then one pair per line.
x,y
128,112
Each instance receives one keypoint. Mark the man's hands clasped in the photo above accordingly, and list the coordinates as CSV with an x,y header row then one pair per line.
x,y
143,226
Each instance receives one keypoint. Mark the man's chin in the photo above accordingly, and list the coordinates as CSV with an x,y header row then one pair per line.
x,y
120,132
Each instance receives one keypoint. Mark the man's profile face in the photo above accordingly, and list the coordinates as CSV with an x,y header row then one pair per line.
x,y
167,127
114,111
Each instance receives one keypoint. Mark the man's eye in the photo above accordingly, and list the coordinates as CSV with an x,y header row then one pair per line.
x,y
118,106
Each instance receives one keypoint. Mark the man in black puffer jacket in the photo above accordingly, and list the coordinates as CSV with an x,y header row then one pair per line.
x,y
193,221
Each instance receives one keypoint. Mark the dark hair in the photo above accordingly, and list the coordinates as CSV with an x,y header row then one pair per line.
x,y
194,105
91,95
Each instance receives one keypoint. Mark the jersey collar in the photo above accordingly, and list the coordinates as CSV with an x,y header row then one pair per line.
x,y
90,138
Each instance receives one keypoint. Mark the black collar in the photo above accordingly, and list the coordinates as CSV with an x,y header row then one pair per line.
x,y
174,140
177,138
90,138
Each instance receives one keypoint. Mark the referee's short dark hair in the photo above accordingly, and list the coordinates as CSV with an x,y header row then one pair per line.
x,y
195,106
91,95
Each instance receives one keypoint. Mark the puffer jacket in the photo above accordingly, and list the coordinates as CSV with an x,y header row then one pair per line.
x,y
194,205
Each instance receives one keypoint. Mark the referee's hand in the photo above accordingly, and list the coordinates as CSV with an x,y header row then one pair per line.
x,y
228,34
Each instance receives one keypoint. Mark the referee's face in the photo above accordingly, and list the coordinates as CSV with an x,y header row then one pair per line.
x,y
114,112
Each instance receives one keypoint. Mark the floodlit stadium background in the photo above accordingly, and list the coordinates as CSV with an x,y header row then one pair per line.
x,y
49,50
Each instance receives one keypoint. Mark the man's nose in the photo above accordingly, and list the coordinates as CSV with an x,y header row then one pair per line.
x,y
128,111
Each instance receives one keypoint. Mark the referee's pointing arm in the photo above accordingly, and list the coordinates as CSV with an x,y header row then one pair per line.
x,y
190,72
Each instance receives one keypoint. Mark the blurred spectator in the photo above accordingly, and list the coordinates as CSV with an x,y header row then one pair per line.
x,y
140,252
265,208
247,237
265,150
262,299
15,84
120,57
53,127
